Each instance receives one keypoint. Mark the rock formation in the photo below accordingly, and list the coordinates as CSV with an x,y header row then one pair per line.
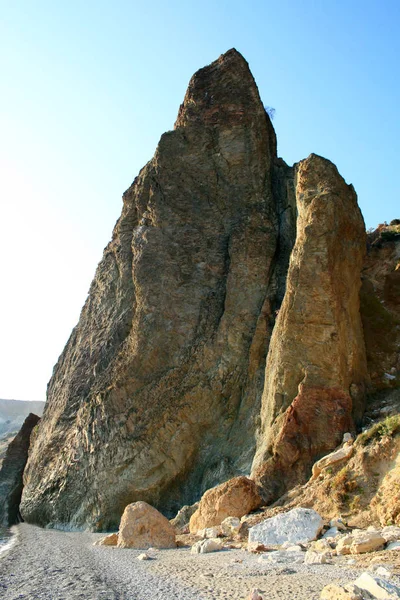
x,y
316,367
158,393
12,470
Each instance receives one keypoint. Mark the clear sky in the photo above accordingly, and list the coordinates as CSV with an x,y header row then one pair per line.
x,y
87,88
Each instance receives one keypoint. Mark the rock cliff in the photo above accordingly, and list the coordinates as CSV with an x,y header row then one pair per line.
x,y
316,369
12,470
158,390
164,388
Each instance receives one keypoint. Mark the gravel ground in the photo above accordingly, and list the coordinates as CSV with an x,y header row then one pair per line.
x,y
48,564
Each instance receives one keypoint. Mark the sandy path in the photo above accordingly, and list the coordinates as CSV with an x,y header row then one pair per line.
x,y
46,564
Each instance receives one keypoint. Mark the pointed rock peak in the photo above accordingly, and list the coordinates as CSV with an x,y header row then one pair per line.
x,y
316,174
222,93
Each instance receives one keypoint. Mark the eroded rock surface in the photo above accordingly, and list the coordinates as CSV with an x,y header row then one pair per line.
x,y
316,368
12,470
156,393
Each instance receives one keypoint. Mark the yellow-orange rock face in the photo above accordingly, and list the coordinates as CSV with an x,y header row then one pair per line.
x,y
316,366
234,498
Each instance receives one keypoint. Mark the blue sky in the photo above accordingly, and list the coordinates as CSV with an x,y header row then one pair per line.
x,y
86,90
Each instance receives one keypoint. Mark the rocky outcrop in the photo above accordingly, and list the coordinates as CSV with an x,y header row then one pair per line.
x,y
380,308
156,394
316,367
12,470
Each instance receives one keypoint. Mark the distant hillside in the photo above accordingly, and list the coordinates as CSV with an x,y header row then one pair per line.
x,y
14,412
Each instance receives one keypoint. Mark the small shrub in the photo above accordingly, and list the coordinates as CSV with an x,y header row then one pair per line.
x,y
388,427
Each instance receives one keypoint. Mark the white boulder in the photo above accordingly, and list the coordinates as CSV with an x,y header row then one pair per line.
x,y
298,526
206,546
379,588
314,558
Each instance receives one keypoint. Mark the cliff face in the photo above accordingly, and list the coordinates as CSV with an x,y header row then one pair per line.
x,y
12,470
157,395
316,368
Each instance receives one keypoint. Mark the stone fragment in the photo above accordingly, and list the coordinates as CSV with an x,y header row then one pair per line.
x,y
339,455
393,546
234,498
109,540
282,556
314,558
338,523
299,525
366,541
209,532
294,548
231,526
257,548
206,546
182,517
321,545
382,572
143,526
344,544
11,483
378,587
254,595
391,533
331,532
144,556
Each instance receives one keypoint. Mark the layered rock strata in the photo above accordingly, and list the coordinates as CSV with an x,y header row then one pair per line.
x,y
12,470
316,367
157,391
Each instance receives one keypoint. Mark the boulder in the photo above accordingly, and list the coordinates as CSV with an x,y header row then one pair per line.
x,y
391,533
339,455
299,525
109,540
11,472
206,546
314,558
366,541
209,532
359,542
343,545
234,498
142,526
377,587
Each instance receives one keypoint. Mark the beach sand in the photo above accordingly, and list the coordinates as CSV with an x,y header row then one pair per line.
x,y
48,564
